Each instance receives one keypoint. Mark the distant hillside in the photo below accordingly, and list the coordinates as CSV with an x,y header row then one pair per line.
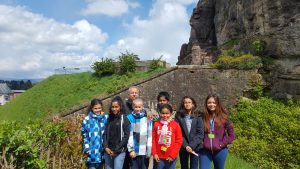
x,y
61,92
33,81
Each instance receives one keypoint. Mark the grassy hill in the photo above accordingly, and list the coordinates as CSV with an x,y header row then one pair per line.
x,y
61,92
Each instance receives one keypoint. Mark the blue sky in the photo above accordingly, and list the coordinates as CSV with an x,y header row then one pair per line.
x,y
39,36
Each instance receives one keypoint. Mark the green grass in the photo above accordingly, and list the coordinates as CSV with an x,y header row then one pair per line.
x,y
59,93
232,162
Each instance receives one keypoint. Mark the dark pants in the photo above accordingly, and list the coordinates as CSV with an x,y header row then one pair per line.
x,y
127,161
140,162
95,165
184,160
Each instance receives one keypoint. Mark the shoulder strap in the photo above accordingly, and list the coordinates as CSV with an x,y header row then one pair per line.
x,y
122,127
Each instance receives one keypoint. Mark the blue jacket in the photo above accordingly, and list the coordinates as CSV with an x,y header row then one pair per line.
x,y
140,138
92,131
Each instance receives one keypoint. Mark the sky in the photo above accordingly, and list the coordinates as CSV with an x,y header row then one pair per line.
x,y
39,36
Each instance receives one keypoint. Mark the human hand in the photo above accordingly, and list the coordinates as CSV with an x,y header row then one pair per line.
x,y
156,158
189,149
149,115
108,151
169,159
132,154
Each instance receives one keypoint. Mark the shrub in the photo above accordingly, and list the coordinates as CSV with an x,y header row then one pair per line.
x,y
104,67
127,62
243,62
40,145
23,145
155,64
230,43
267,133
259,46
232,52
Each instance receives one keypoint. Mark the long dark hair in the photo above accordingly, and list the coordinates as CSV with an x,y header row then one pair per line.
x,y
221,114
182,111
119,100
93,103
166,106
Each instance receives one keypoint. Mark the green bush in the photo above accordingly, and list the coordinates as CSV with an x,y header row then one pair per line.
x,y
259,46
127,62
232,52
22,143
155,64
104,67
40,144
267,133
230,44
243,62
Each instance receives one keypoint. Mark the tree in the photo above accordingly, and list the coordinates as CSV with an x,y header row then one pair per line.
x,y
127,62
104,67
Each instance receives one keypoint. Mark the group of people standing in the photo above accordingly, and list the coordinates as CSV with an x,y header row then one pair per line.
x,y
130,133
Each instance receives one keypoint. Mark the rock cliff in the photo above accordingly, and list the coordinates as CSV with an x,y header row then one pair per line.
x,y
276,22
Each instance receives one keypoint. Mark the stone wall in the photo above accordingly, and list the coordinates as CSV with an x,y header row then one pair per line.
x,y
195,81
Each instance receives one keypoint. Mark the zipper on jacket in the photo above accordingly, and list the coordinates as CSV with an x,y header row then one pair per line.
x,y
211,144
211,132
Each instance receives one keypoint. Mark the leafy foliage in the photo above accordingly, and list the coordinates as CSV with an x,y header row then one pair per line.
x,y
267,133
127,62
230,44
155,64
243,62
259,46
104,67
24,143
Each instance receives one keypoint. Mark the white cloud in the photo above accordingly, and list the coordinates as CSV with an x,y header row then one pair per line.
x,y
108,7
163,33
33,46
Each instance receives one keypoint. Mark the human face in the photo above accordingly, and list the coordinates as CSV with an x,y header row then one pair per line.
x,y
96,109
138,107
188,104
162,100
165,114
211,104
133,93
115,108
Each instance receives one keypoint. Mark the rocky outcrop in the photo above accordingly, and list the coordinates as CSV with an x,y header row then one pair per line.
x,y
276,22
199,50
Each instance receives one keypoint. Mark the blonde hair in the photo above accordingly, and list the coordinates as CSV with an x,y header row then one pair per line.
x,y
138,101
133,87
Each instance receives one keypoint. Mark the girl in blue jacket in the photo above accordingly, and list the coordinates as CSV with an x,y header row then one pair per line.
x,y
92,131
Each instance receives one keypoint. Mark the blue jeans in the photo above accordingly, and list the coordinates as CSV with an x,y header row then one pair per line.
x,y
218,158
164,164
114,162
184,160
95,165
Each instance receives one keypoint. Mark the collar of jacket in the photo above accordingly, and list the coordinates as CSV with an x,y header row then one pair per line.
x,y
100,116
141,115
